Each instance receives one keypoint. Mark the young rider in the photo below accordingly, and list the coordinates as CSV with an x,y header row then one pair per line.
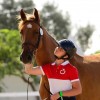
x,y
62,76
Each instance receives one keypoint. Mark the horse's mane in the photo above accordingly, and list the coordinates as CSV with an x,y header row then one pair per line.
x,y
30,17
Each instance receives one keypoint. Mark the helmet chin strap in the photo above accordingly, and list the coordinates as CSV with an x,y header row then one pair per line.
x,y
62,57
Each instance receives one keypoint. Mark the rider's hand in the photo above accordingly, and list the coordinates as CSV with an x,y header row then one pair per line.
x,y
55,96
28,67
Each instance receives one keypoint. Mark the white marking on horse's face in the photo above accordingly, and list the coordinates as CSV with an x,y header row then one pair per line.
x,y
29,25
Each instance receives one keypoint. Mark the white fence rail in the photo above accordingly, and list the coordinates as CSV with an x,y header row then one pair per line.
x,y
19,96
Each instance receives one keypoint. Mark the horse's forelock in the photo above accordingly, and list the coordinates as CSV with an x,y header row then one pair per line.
x,y
30,17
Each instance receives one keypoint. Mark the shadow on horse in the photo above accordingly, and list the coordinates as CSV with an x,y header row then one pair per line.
x,y
37,43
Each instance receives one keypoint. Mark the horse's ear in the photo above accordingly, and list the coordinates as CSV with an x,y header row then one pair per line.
x,y
22,14
37,18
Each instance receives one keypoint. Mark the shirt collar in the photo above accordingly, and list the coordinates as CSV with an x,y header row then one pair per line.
x,y
64,63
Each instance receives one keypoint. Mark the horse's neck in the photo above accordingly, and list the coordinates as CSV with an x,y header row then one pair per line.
x,y
77,60
45,52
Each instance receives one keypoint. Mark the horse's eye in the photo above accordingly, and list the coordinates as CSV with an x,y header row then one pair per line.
x,y
36,32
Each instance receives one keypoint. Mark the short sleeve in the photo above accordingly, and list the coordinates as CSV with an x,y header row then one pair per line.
x,y
74,74
45,69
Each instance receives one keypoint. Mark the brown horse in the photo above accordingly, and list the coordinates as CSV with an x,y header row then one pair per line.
x,y
36,40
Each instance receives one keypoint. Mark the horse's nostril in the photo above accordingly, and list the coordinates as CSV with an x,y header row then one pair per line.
x,y
21,57
25,58
29,57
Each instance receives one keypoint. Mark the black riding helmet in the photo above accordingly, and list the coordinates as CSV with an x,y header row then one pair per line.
x,y
68,46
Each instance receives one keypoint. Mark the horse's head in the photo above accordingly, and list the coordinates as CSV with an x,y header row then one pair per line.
x,y
31,32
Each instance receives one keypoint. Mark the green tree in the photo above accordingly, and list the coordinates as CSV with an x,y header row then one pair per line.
x,y
55,22
97,52
10,49
9,11
83,34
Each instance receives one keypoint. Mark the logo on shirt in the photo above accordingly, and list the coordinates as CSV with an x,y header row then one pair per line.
x,y
62,71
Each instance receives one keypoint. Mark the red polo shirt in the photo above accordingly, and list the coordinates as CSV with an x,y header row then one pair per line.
x,y
60,77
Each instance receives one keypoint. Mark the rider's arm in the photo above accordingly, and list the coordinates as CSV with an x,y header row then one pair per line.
x,y
29,69
76,89
76,85
75,81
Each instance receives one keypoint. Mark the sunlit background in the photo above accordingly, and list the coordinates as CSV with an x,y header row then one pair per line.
x,y
82,12
77,20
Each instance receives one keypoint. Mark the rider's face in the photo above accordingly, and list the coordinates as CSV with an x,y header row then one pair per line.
x,y
59,51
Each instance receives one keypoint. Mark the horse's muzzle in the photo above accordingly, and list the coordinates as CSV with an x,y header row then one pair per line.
x,y
26,57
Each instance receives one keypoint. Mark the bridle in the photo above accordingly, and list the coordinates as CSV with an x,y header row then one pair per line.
x,y
36,45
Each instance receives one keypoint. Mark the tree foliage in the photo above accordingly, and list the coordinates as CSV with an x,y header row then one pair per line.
x,y
97,52
83,35
55,22
10,49
9,52
9,11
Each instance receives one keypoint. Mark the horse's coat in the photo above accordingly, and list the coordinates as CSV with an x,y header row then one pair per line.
x,y
89,72
88,66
